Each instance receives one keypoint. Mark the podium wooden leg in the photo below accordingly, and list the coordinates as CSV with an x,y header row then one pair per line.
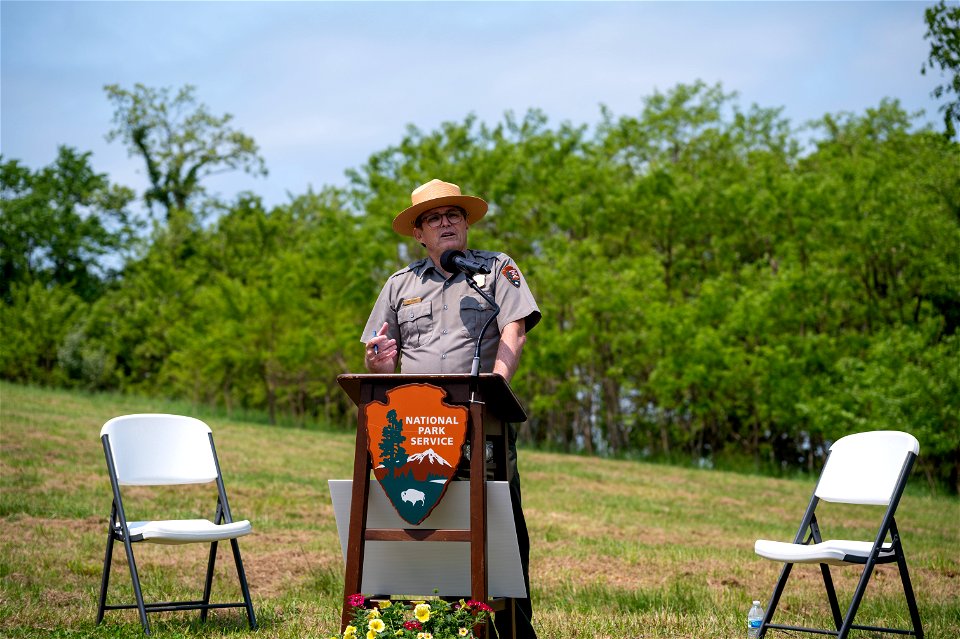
x,y
478,509
358,513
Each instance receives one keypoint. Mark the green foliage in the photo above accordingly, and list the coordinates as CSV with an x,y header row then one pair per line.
x,y
180,142
36,321
713,291
704,283
943,32
58,223
259,311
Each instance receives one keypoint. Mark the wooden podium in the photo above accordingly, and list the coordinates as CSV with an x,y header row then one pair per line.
x,y
491,406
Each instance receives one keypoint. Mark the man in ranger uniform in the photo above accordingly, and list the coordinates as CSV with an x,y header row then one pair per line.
x,y
430,319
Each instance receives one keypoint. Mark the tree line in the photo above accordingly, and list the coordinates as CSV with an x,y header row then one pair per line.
x,y
717,286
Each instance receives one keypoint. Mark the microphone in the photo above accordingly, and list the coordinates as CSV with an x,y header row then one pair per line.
x,y
452,261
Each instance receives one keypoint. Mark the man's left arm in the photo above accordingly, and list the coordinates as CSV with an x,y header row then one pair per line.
x,y
512,338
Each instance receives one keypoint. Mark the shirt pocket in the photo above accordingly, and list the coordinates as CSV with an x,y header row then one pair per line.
x,y
416,324
473,314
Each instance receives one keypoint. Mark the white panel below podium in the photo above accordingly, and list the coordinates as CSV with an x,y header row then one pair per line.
x,y
421,567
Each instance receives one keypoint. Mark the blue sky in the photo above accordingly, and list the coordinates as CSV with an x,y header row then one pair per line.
x,y
322,85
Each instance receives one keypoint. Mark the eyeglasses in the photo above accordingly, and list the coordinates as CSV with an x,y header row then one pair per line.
x,y
434,220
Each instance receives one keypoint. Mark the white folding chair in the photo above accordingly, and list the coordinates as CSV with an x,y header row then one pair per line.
x,y
156,450
866,468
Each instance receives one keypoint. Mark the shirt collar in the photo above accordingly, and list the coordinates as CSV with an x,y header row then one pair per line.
x,y
427,266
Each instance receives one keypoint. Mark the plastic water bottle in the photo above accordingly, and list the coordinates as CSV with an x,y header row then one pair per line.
x,y
754,620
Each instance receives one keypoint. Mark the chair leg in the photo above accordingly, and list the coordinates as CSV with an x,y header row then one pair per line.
x,y
136,585
105,579
905,580
908,593
857,597
832,596
251,617
774,599
208,584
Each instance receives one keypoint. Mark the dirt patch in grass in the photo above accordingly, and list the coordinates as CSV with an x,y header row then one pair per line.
x,y
272,573
61,598
282,561
32,530
608,571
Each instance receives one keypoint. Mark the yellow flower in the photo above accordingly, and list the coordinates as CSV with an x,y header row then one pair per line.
x,y
350,632
422,613
376,625
373,614
371,634
463,632
385,604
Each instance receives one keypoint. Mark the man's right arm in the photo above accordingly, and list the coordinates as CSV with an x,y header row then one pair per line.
x,y
382,351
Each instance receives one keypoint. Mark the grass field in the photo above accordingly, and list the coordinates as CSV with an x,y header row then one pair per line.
x,y
620,549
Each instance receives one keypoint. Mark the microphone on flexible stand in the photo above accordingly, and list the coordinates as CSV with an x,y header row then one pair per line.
x,y
453,261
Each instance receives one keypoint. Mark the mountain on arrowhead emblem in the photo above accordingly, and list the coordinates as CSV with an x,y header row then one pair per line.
x,y
427,465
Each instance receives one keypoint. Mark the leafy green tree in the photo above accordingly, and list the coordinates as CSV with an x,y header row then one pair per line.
x,y
62,225
180,142
274,308
36,321
135,322
713,291
943,32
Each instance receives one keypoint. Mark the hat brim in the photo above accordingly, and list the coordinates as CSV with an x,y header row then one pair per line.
x,y
474,207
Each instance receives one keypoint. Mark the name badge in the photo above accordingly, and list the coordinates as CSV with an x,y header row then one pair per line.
x,y
412,300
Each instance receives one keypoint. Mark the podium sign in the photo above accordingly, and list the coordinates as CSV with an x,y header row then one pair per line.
x,y
392,416
415,440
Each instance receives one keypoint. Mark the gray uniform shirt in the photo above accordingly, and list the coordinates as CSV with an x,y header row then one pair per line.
x,y
436,321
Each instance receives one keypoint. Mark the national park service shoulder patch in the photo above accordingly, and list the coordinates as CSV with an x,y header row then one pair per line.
x,y
511,273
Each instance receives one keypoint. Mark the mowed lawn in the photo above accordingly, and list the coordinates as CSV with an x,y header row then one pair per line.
x,y
620,548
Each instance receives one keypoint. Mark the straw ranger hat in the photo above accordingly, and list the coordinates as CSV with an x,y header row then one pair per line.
x,y
433,194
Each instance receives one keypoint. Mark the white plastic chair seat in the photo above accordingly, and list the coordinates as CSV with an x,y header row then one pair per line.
x,y
186,531
830,552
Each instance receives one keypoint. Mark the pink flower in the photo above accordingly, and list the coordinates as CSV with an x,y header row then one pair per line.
x,y
479,605
356,601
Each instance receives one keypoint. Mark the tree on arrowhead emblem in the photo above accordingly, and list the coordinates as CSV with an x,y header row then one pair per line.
x,y
392,454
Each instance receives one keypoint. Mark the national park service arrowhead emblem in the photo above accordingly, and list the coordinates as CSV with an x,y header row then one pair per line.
x,y
512,274
415,441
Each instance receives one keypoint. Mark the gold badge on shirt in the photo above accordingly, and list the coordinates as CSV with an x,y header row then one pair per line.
x,y
412,300
479,279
